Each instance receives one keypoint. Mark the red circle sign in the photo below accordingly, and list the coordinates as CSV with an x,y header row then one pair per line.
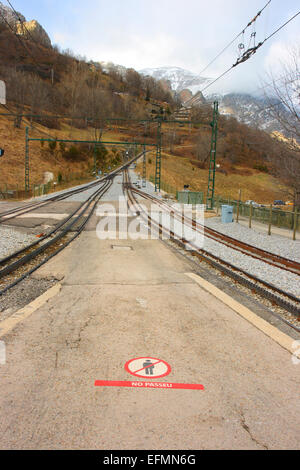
x,y
148,367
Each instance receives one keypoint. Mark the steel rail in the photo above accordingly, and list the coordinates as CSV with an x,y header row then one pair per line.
x,y
40,240
94,198
56,228
32,254
252,282
29,257
64,195
255,252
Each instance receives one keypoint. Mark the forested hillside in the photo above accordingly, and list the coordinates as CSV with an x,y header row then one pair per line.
x,y
42,80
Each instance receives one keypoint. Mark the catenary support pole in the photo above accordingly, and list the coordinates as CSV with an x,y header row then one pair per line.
x,y
27,180
144,168
158,157
212,162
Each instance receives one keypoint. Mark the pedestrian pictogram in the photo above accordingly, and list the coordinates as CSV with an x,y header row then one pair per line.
x,y
148,367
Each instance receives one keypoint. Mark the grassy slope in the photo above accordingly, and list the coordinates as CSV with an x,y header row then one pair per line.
x,y
13,141
178,171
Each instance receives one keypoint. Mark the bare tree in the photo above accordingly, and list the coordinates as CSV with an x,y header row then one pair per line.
x,y
134,82
287,113
286,89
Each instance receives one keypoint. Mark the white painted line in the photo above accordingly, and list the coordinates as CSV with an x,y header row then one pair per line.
x,y
271,331
34,215
9,324
110,214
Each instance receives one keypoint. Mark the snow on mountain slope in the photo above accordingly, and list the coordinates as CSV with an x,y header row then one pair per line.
x,y
246,108
179,78
249,110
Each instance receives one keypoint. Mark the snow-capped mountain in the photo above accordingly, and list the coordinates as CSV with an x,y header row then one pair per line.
x,y
179,78
246,108
250,110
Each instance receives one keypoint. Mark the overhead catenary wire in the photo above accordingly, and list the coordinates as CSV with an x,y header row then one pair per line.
x,y
281,27
31,125
246,57
20,39
236,37
17,36
22,22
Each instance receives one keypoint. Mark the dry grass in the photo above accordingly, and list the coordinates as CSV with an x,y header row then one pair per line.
x,y
178,171
12,165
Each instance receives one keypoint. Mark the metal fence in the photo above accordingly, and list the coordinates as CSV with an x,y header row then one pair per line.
x,y
190,197
265,215
17,192
164,186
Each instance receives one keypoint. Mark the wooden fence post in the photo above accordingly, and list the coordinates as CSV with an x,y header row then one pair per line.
x,y
295,223
270,220
238,207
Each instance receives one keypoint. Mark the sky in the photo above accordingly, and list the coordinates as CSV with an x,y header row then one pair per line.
x,y
159,33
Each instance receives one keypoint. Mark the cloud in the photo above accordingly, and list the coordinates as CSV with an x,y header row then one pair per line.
x,y
142,34
61,38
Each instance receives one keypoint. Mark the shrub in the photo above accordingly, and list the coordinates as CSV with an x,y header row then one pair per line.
x,y
62,146
73,153
52,145
262,168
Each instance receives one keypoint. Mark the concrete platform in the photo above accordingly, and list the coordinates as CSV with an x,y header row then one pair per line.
x,y
48,216
137,301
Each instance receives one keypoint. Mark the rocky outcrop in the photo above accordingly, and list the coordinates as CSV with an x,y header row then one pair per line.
x,y
29,29
10,16
33,30
185,95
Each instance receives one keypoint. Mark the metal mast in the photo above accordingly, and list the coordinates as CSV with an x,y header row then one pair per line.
x,y
212,162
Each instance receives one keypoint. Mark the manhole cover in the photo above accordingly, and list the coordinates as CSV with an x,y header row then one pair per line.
x,y
122,247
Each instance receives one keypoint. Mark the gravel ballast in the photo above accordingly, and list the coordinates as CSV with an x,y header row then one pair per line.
x,y
22,294
277,244
285,280
12,240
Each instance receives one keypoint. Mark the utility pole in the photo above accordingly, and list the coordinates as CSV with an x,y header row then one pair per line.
x,y
2,101
144,184
27,159
158,157
212,162
95,160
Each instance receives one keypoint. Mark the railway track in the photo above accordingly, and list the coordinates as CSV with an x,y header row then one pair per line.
x,y
16,212
238,245
287,301
20,264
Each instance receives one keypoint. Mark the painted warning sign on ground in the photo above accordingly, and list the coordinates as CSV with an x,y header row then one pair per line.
x,y
148,367
148,385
